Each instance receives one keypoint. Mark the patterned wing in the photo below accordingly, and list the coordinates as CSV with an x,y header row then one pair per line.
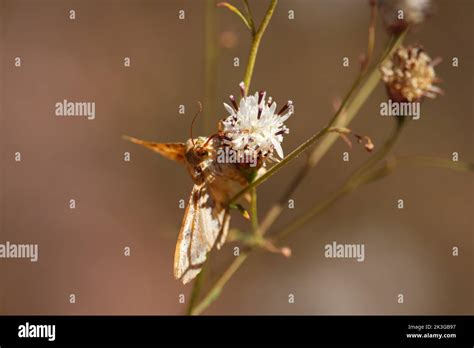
x,y
202,225
172,151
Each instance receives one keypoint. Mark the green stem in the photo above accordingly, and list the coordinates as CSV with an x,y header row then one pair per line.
x,y
429,161
256,39
354,181
313,158
214,293
319,208
256,44
249,17
379,155
211,59
371,40
198,283
367,177
253,209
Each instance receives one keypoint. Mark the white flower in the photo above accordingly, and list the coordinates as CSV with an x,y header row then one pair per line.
x,y
253,128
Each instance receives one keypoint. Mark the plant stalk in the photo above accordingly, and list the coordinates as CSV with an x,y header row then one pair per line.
x,y
257,38
356,102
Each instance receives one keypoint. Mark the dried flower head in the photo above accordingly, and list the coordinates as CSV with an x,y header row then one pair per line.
x,y
254,128
399,14
409,75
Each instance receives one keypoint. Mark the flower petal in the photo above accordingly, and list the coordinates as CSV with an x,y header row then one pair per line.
x,y
229,109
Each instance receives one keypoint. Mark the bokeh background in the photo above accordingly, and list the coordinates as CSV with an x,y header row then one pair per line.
x,y
135,204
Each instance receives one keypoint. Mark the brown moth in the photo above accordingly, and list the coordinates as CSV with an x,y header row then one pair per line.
x,y
219,166
206,218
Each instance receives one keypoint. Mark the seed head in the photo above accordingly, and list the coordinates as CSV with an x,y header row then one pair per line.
x,y
409,75
399,14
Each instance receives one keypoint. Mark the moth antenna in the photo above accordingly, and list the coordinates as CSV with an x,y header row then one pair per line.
x,y
194,119
210,138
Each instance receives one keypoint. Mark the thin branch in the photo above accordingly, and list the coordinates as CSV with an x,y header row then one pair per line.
x,y
314,158
355,180
311,161
256,44
430,161
250,17
359,178
237,12
198,283
257,37
211,60
253,209
371,40
379,155
211,64
214,293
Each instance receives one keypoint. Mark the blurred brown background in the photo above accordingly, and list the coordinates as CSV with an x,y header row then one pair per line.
x,y
136,204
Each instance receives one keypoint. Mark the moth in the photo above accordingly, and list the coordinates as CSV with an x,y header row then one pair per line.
x,y
206,219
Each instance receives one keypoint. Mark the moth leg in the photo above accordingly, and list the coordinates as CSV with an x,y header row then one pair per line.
x,y
241,209
221,237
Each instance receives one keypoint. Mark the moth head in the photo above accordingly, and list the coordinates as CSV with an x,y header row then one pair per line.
x,y
198,150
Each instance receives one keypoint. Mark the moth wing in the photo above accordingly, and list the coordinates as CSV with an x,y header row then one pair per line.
x,y
189,225
203,223
222,190
172,151
214,219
